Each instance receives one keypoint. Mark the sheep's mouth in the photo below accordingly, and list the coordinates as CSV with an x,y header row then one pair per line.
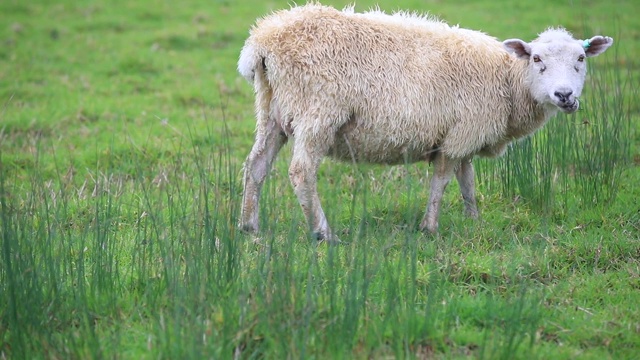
x,y
570,108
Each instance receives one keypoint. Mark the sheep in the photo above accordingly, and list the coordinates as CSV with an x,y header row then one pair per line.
x,y
396,89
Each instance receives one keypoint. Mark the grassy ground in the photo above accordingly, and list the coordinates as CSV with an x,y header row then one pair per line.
x,y
123,127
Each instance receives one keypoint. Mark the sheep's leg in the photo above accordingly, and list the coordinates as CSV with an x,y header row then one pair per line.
x,y
443,172
303,173
258,164
465,177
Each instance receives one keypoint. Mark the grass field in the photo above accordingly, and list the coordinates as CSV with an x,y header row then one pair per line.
x,y
123,128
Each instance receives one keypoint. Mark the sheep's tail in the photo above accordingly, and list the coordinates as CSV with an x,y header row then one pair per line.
x,y
251,66
251,61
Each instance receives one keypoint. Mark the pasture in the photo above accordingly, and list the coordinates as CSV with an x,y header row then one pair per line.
x,y
123,129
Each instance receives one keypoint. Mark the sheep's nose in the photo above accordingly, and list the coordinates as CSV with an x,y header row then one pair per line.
x,y
563,95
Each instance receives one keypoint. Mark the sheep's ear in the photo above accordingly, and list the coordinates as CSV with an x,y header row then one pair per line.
x,y
518,47
596,45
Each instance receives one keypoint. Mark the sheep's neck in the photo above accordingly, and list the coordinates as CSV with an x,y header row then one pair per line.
x,y
527,114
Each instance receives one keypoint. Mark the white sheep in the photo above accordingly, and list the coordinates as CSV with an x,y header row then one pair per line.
x,y
395,89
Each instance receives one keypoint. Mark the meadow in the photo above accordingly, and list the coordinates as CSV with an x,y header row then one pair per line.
x,y
123,129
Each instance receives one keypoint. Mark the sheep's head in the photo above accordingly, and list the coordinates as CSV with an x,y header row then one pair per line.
x,y
556,63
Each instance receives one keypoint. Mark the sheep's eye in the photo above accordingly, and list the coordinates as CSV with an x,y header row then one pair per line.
x,y
536,58
581,58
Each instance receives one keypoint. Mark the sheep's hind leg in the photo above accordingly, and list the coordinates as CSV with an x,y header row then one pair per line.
x,y
303,173
465,176
258,164
443,172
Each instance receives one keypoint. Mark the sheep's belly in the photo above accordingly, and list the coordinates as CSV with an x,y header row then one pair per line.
x,y
359,148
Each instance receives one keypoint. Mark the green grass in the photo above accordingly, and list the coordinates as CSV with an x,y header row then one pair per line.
x,y
123,128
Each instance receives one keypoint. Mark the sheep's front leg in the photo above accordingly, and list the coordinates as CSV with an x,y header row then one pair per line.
x,y
303,173
443,172
465,177
268,143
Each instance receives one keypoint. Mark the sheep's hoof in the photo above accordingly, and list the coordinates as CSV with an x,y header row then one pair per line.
x,y
252,232
248,228
429,228
331,239
473,214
